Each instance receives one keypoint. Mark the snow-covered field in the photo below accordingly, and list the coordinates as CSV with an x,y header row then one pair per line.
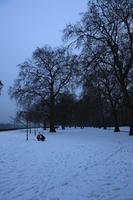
x,y
75,164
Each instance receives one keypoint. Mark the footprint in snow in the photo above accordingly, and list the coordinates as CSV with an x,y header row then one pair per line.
x,y
65,184
55,198
116,189
51,188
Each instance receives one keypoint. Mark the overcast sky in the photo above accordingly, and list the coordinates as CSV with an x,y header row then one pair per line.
x,y
24,25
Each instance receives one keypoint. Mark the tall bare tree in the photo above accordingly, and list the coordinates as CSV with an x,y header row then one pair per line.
x,y
108,25
44,76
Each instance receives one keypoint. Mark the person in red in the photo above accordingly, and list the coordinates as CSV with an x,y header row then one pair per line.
x,y
38,137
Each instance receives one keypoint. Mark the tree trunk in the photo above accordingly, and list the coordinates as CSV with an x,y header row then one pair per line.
x,y
27,131
44,125
129,107
52,111
104,122
35,131
63,126
30,128
116,126
81,126
131,131
63,122
130,113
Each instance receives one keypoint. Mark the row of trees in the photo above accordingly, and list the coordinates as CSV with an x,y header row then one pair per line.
x,y
88,110
103,68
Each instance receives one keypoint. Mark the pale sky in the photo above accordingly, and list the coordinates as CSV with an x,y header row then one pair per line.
x,y
25,25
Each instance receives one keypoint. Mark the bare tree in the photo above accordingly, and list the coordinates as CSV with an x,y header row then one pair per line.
x,y
44,76
111,90
108,25
23,118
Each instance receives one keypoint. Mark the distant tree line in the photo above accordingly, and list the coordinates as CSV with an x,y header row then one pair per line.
x,y
102,68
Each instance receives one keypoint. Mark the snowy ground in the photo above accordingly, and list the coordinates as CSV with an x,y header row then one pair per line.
x,y
75,164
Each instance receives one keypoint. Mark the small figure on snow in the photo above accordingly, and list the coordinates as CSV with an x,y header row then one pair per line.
x,y
40,137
